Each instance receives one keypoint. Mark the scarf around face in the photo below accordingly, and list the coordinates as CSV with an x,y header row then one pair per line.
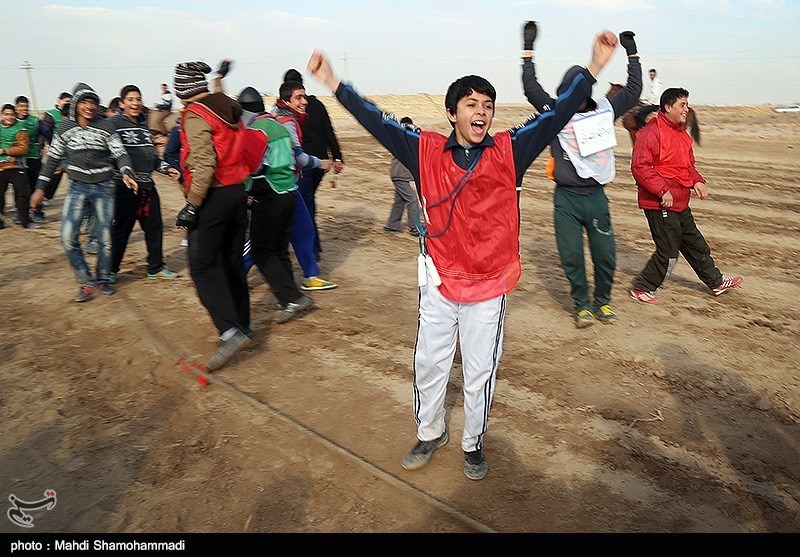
x,y
300,117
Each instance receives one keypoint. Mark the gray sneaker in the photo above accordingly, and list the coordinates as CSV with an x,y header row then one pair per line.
x,y
475,465
293,310
84,293
226,350
422,452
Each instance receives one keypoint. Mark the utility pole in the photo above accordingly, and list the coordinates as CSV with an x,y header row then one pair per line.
x,y
28,67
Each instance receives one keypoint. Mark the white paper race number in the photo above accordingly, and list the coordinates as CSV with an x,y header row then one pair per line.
x,y
595,132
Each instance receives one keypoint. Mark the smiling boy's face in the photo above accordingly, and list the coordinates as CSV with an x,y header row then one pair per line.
x,y
9,117
473,118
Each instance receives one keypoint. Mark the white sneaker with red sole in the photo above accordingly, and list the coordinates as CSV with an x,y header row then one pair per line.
x,y
726,284
644,296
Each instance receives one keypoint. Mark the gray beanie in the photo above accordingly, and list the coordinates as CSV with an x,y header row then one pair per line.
x,y
190,79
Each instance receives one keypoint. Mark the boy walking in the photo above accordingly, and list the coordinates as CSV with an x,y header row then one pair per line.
x,y
405,196
663,166
14,146
469,253
143,205
85,145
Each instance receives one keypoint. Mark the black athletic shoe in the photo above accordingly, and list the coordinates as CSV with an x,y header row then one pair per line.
x,y
475,465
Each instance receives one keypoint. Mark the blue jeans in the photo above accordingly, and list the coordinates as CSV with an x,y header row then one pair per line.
x,y
80,199
303,238
308,183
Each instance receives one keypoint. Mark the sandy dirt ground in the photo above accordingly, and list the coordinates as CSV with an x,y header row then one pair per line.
x,y
681,418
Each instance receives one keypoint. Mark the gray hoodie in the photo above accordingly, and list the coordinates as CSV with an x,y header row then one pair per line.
x,y
86,154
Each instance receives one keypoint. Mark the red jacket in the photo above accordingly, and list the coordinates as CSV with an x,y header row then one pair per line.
x,y
663,161
474,231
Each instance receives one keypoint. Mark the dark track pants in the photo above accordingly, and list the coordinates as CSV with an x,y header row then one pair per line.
x,y
215,258
675,233
574,213
145,208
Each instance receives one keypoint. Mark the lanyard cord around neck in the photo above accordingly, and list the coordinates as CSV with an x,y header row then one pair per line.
x,y
454,192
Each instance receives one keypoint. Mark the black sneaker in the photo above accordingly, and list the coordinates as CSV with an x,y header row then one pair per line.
x,y
475,465
105,288
422,452
226,350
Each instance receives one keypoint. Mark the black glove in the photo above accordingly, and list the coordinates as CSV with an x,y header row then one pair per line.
x,y
627,42
187,218
528,35
224,67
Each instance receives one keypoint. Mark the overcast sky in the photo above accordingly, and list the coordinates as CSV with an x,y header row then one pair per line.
x,y
722,51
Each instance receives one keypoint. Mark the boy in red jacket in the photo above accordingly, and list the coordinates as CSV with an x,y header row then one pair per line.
x,y
663,166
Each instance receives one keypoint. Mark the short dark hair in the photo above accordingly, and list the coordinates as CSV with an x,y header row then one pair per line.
x,y
128,89
21,99
292,75
8,106
463,86
113,104
652,70
406,120
288,88
670,95
65,95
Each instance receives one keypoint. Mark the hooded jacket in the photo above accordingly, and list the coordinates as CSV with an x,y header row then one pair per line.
x,y
85,153
216,163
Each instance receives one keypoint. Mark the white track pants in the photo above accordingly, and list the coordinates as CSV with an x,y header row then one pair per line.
x,y
479,326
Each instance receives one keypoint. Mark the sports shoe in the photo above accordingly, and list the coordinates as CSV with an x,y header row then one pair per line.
x,y
164,273
387,229
294,310
644,296
92,247
226,349
184,243
84,293
31,225
112,278
422,452
475,465
316,283
726,284
38,217
106,288
606,315
277,306
584,318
